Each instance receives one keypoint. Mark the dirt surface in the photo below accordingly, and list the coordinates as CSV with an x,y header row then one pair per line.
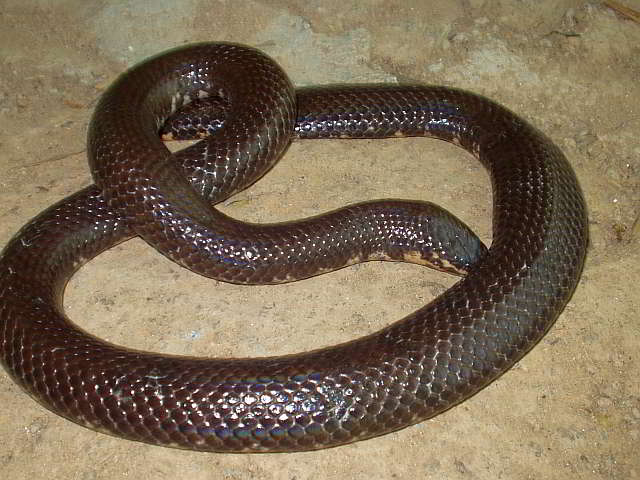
x,y
570,409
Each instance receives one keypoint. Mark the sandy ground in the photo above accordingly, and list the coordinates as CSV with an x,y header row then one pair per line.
x,y
570,409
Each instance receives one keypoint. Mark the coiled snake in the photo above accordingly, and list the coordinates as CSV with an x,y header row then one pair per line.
x,y
409,371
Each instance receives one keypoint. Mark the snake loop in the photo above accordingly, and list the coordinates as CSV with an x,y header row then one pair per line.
x,y
407,372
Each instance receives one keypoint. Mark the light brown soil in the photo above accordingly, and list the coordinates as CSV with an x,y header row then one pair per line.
x,y
570,409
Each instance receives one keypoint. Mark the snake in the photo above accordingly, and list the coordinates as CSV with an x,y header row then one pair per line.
x,y
403,374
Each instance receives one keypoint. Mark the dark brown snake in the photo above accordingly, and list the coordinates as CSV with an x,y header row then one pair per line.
x,y
407,372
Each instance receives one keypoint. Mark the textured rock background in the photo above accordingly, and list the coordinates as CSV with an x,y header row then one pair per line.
x,y
570,409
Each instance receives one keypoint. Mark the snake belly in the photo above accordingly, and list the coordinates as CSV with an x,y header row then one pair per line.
x,y
407,372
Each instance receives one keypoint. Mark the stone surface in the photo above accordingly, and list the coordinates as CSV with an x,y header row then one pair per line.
x,y
568,410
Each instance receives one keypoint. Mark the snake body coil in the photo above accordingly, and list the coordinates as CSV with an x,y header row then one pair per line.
x,y
410,371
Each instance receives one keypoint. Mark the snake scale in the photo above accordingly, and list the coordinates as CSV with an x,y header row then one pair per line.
x,y
407,372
